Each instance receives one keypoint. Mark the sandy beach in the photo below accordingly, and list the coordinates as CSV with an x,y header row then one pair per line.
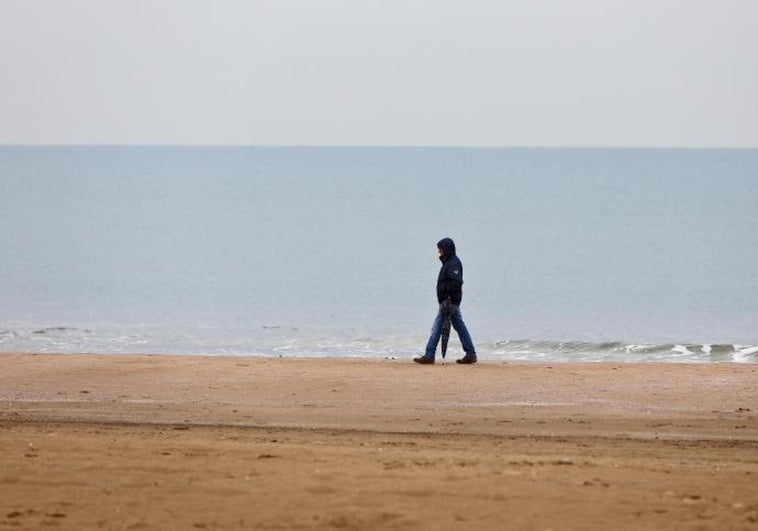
x,y
191,442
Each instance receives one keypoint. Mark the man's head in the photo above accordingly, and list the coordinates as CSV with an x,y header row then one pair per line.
x,y
446,248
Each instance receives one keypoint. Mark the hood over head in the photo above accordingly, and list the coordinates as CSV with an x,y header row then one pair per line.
x,y
448,248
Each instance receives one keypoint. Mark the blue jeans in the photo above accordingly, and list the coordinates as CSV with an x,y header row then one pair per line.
x,y
456,320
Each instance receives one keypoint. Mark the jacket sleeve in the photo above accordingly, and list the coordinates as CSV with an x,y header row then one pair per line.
x,y
450,282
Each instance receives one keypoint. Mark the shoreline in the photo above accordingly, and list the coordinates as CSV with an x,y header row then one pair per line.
x,y
498,351
157,441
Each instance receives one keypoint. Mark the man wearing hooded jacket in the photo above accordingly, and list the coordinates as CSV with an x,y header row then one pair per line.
x,y
449,294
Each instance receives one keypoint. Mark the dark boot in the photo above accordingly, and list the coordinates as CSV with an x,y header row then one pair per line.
x,y
424,360
468,358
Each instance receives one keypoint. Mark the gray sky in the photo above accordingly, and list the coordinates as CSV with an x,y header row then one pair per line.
x,y
389,72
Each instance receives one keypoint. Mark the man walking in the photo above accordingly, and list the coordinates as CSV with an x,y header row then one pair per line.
x,y
449,294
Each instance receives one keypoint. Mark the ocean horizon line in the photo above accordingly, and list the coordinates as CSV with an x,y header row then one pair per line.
x,y
128,145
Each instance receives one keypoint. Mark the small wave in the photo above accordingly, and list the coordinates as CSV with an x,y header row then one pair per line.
x,y
525,349
65,339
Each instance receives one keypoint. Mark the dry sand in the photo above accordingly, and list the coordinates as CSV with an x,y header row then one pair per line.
x,y
172,442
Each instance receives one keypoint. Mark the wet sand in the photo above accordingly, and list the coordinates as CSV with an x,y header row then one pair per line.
x,y
172,442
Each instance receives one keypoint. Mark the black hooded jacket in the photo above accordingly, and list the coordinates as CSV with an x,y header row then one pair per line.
x,y
450,279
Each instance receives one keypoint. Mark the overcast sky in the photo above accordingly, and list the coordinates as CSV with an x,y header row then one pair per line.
x,y
380,72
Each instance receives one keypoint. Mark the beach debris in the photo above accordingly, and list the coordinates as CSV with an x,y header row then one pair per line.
x,y
692,499
19,514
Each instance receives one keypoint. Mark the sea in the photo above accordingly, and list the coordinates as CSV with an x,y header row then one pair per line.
x,y
570,254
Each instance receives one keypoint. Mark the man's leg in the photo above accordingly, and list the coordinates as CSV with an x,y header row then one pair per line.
x,y
463,334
